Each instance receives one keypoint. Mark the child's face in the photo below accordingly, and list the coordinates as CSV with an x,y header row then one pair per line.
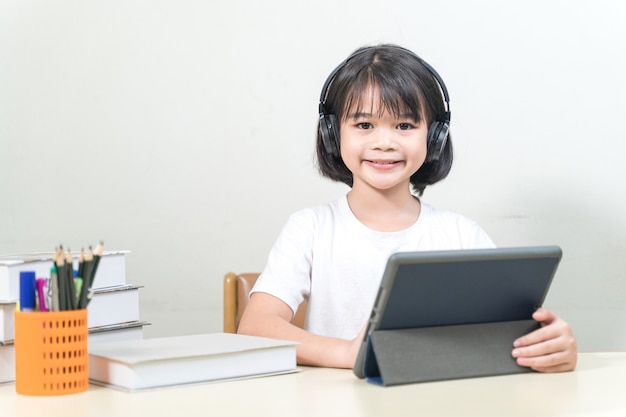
x,y
381,150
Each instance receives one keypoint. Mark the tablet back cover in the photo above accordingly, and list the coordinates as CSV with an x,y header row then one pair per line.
x,y
421,289
452,288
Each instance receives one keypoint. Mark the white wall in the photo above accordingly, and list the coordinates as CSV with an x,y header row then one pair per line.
x,y
183,131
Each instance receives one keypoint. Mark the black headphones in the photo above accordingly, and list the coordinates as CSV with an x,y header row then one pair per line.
x,y
437,131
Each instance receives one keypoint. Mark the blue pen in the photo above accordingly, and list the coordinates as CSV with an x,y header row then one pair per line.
x,y
28,294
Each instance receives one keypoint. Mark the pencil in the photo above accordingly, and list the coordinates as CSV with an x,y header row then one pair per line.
x,y
87,268
61,273
97,254
81,263
81,274
54,288
69,276
67,291
96,260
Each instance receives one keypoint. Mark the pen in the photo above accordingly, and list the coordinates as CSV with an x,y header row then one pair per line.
x,y
41,294
28,301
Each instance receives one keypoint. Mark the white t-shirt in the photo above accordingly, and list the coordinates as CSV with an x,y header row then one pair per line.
x,y
326,255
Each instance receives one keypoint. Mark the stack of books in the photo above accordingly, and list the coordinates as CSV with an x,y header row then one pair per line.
x,y
113,312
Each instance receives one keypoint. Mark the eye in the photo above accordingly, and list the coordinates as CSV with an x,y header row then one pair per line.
x,y
405,126
364,125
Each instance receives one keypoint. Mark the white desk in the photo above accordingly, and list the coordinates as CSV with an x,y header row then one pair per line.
x,y
597,388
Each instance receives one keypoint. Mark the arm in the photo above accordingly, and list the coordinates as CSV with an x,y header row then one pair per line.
x,y
268,316
551,348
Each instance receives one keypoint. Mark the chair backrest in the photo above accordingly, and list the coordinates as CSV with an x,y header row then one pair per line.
x,y
237,289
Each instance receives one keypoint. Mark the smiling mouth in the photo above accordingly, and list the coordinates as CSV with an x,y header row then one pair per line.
x,y
382,162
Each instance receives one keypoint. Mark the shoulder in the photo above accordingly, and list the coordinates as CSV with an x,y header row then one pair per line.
x,y
320,213
467,232
306,225
434,213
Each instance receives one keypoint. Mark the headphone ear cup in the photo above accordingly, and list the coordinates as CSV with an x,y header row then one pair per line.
x,y
437,139
329,130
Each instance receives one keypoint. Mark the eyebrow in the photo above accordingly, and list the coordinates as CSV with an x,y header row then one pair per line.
x,y
358,115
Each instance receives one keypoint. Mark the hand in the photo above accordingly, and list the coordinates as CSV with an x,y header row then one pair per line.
x,y
551,348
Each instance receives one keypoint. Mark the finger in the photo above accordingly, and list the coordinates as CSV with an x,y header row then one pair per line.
x,y
553,369
544,315
534,350
557,362
540,335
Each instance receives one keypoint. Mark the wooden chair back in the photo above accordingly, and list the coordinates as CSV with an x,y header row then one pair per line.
x,y
237,289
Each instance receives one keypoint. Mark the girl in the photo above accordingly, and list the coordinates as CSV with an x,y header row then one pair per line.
x,y
383,131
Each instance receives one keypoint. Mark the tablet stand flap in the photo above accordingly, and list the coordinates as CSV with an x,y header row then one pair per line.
x,y
407,356
370,364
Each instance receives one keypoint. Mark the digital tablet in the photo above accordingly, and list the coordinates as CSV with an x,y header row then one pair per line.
x,y
441,288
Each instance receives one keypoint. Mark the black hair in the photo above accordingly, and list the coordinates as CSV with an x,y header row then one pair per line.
x,y
404,85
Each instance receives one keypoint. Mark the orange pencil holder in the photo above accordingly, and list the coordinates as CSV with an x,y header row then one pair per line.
x,y
51,352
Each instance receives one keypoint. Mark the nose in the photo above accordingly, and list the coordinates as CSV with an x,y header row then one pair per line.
x,y
384,139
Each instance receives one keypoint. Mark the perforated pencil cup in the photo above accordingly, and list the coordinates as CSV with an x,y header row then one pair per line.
x,y
51,352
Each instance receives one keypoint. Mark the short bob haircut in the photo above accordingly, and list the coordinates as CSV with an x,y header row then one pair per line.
x,y
404,85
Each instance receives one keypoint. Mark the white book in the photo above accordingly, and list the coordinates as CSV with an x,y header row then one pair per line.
x,y
119,332
108,306
113,305
111,270
7,363
160,362
7,327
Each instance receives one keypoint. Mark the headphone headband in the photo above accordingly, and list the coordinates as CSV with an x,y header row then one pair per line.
x,y
331,77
